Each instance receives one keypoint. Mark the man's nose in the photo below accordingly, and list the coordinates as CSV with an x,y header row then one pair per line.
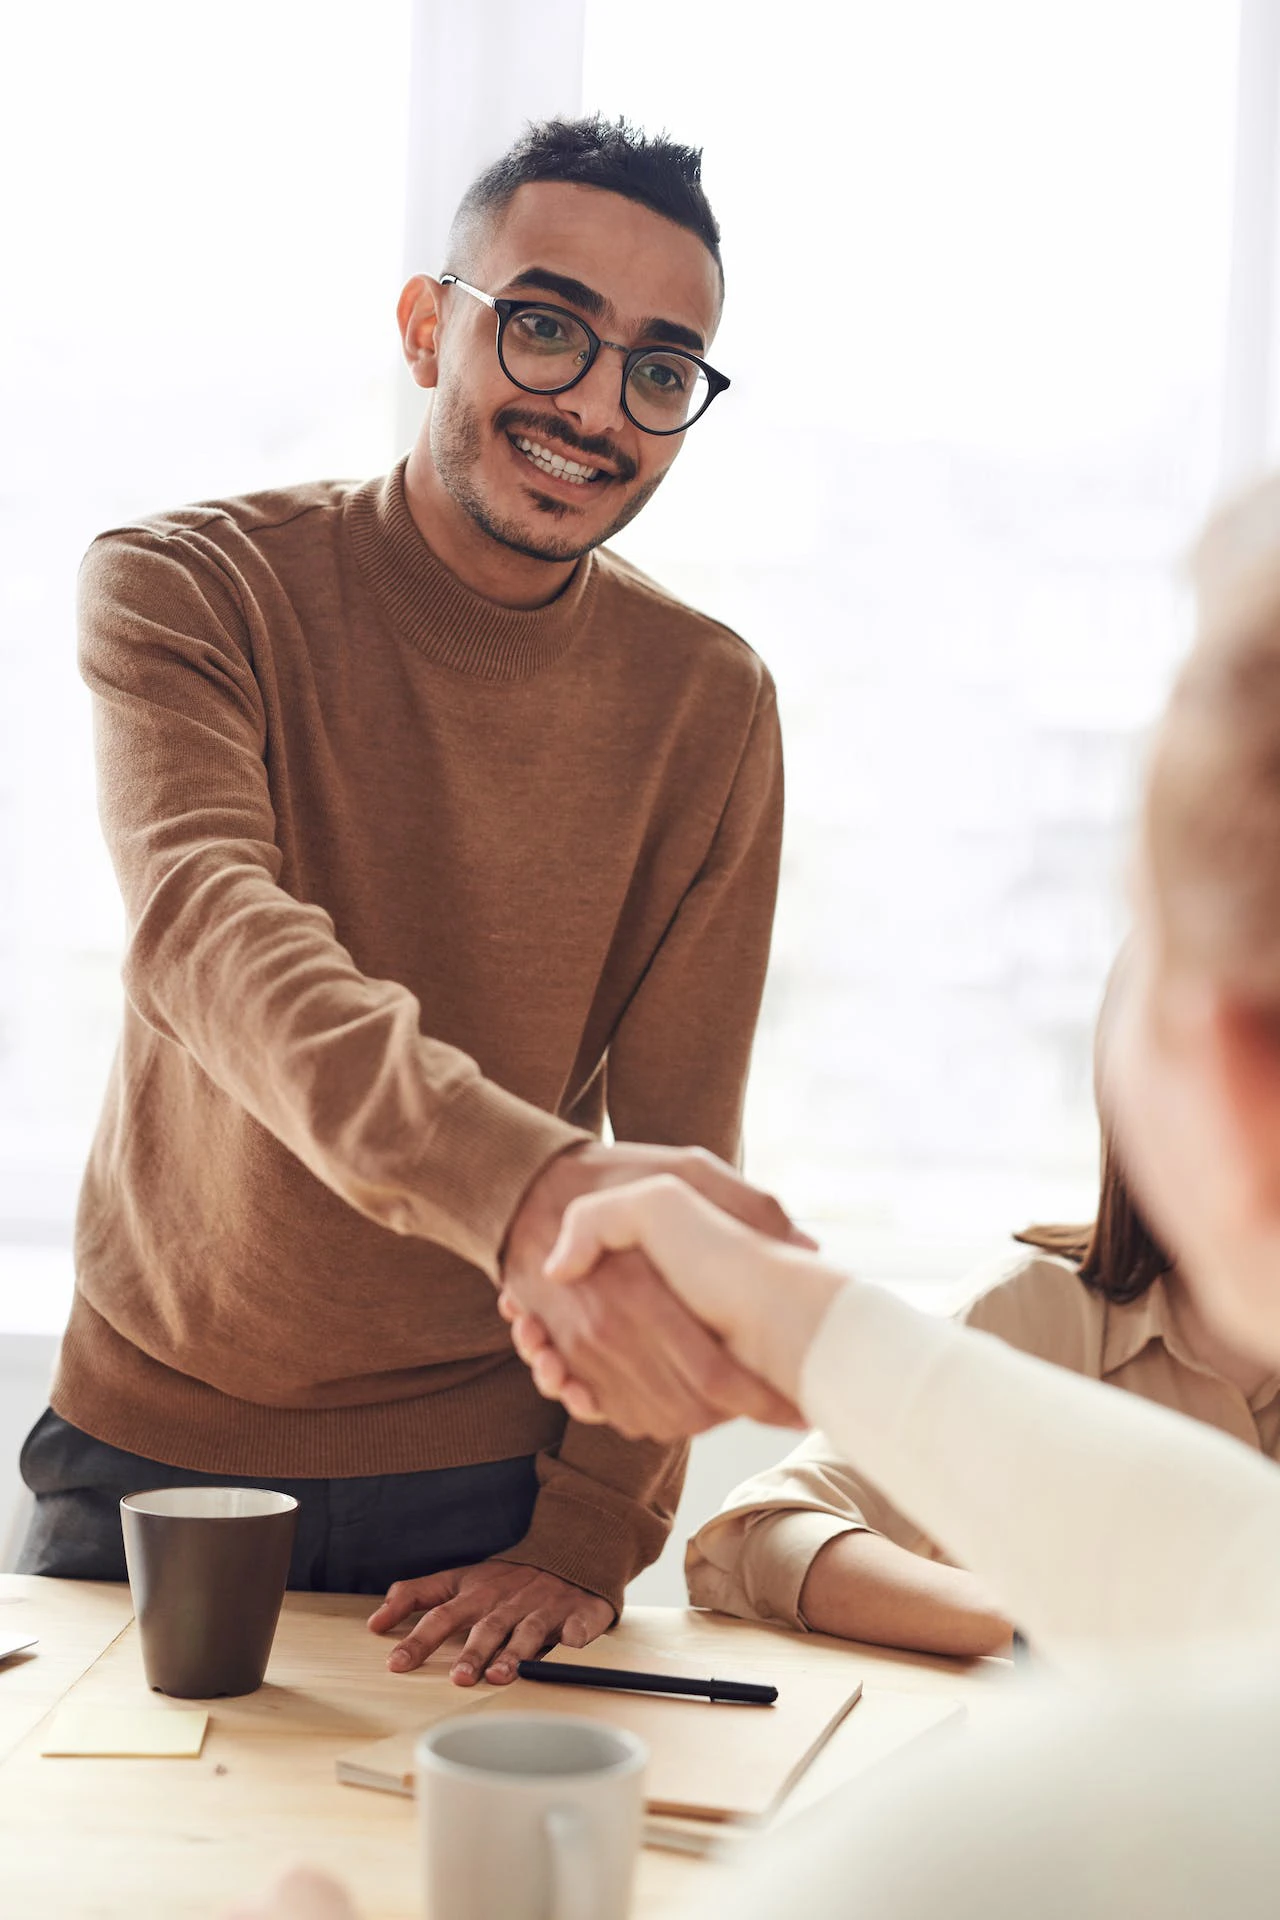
x,y
595,404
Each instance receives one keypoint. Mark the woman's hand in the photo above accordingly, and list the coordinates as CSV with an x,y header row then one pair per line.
x,y
764,1299
301,1894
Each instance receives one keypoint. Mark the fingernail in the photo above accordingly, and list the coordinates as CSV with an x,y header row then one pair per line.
x,y
400,1659
463,1670
501,1670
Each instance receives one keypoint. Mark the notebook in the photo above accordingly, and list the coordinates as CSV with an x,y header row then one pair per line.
x,y
884,1726
707,1761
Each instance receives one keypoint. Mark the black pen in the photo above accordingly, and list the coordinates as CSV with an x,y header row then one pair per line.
x,y
562,1673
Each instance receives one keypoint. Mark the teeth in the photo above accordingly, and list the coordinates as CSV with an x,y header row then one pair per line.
x,y
555,462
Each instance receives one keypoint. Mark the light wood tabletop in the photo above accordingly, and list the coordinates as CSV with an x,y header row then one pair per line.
x,y
169,1839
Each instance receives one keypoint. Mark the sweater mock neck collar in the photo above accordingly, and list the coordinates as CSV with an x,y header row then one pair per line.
x,y
437,614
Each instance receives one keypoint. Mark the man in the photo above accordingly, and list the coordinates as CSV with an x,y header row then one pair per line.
x,y
442,835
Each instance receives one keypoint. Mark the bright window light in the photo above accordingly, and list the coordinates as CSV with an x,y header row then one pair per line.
x,y
977,268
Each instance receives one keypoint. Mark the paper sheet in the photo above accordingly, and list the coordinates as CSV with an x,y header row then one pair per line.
x,y
174,1733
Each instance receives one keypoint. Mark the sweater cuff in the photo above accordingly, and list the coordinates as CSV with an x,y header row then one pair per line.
x,y
484,1153
589,1547
777,1555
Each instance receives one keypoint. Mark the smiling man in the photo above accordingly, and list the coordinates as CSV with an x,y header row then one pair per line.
x,y
443,835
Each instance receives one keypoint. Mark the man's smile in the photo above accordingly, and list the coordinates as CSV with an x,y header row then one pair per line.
x,y
556,466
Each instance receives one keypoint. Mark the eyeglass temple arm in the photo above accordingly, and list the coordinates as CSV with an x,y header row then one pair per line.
x,y
452,280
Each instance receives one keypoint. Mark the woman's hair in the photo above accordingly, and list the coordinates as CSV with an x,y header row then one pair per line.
x,y
1212,834
1212,820
1118,1256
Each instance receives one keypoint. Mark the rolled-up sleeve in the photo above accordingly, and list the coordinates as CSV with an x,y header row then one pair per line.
x,y
752,1558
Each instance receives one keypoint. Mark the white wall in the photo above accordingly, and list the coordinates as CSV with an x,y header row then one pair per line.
x,y
26,1363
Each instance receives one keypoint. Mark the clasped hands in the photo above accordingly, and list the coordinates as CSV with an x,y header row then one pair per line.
x,y
650,1288
664,1295
631,1350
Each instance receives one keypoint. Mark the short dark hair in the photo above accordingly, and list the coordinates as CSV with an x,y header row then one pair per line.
x,y
595,152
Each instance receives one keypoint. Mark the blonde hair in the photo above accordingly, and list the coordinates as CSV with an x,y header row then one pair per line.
x,y
1212,819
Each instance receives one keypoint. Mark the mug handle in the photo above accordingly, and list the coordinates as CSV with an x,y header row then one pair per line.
x,y
573,1876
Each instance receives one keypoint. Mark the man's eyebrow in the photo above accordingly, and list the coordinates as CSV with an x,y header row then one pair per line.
x,y
669,332
672,333
569,289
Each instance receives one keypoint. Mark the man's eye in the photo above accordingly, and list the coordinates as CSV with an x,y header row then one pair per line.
x,y
663,377
543,330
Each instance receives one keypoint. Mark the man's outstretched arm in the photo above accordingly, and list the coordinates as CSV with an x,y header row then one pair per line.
x,y
676,1073
221,959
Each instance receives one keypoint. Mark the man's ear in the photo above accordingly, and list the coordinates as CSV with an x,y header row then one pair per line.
x,y
1246,1040
418,312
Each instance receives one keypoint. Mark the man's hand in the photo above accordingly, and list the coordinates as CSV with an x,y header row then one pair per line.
x,y
513,1612
764,1300
622,1335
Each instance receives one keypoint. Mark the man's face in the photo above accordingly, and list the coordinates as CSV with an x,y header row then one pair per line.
x,y
632,276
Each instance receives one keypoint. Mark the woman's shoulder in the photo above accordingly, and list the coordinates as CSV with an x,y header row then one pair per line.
x,y
1037,1302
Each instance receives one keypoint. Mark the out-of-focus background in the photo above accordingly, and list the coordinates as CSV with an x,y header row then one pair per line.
x,y
1001,322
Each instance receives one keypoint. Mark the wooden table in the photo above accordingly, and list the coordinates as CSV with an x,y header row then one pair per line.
x,y
177,1839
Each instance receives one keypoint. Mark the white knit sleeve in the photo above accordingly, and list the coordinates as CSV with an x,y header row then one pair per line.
x,y
1095,1517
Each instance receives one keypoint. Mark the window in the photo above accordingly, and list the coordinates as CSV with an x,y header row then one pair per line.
x,y
202,271
977,268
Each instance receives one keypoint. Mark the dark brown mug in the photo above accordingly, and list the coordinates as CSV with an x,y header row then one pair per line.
x,y
207,1571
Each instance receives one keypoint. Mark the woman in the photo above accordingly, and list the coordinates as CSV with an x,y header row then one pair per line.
x,y
1139,1550
811,1543
1104,1525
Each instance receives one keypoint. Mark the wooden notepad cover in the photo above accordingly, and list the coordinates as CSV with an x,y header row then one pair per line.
x,y
884,1726
707,1761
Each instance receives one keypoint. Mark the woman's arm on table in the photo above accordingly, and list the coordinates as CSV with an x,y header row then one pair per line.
x,y
863,1587
809,1544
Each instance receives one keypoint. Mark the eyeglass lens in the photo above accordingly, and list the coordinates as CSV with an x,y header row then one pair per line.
x,y
546,350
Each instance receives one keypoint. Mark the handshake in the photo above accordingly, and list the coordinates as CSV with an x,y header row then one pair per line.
x,y
653,1289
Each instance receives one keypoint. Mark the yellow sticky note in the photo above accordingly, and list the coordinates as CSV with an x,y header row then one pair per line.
x,y
176,1733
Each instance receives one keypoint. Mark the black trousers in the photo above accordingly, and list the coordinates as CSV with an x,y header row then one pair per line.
x,y
354,1536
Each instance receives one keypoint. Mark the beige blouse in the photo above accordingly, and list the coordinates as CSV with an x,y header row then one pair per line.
x,y
752,1558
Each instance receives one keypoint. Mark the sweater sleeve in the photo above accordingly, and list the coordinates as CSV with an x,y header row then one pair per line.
x,y
226,963
678,1061
604,1509
1097,1518
1136,1796
677,1071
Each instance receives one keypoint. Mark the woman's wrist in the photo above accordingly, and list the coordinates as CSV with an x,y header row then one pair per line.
x,y
783,1303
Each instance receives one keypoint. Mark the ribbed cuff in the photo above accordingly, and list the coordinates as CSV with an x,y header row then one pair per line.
x,y
484,1153
590,1547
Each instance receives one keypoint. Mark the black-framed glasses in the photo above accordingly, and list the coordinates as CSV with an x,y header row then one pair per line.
x,y
544,349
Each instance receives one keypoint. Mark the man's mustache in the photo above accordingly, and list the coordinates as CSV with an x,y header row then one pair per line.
x,y
546,428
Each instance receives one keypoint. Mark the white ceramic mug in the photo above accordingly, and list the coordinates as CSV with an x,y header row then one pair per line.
x,y
528,1816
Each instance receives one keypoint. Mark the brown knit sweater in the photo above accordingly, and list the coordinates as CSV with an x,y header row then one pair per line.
x,y
417,888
